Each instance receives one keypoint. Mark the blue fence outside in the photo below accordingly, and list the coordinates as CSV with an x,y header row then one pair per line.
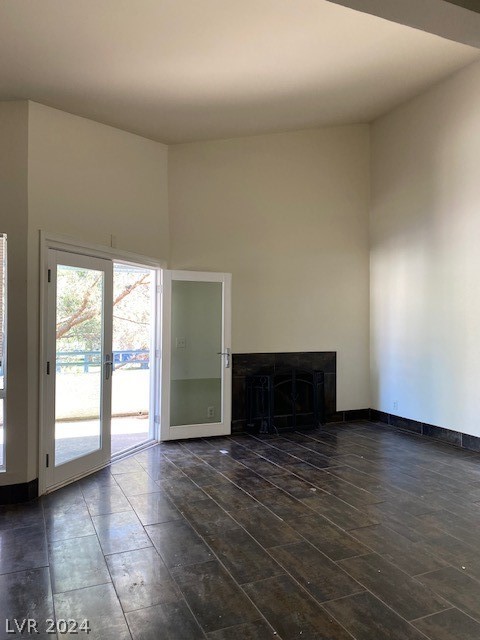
x,y
87,359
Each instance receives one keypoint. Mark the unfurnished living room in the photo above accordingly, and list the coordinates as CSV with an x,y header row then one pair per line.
x,y
240,319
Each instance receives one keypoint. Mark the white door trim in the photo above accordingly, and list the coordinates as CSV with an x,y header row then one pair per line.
x,y
73,245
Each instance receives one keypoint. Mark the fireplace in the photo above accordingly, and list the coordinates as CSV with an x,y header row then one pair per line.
x,y
280,391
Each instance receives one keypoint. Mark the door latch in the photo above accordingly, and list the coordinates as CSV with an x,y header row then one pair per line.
x,y
108,367
227,357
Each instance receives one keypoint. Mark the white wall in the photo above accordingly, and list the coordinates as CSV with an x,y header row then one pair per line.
x,y
89,181
425,257
13,221
287,215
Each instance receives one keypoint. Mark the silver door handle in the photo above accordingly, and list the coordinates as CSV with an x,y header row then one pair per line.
x,y
227,357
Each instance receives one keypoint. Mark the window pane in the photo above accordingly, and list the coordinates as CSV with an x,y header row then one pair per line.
x,y
2,435
3,344
3,282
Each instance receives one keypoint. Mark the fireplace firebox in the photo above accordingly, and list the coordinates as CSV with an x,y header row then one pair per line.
x,y
284,400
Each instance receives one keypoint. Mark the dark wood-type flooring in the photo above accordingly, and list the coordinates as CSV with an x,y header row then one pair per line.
x,y
352,531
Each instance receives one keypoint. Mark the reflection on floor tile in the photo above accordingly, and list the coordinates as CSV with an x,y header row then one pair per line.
x,y
20,515
97,605
23,548
178,544
76,563
119,532
141,579
154,508
61,526
26,595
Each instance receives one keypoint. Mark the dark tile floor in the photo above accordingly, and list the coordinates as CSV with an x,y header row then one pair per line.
x,y
353,531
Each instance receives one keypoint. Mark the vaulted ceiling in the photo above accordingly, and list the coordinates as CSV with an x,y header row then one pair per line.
x,y
181,70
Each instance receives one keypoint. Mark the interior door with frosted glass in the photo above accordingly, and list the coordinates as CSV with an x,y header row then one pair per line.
x,y
196,363
78,370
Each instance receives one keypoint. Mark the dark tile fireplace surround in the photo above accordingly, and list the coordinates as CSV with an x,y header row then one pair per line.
x,y
250,364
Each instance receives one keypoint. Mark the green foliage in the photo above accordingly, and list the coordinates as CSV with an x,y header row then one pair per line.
x,y
79,308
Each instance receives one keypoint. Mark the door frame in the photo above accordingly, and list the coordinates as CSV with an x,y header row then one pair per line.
x,y
66,243
210,429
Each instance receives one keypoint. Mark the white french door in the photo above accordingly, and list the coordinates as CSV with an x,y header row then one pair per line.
x,y
101,389
78,402
196,362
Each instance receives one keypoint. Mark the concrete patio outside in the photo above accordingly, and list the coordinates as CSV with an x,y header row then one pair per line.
x,y
77,438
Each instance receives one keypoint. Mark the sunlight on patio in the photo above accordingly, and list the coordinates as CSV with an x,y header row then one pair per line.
x,y
77,438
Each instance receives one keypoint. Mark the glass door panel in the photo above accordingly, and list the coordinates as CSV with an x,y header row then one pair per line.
x,y
79,350
133,356
196,342
79,364
196,369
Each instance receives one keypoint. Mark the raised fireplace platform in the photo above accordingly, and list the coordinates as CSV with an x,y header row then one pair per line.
x,y
246,365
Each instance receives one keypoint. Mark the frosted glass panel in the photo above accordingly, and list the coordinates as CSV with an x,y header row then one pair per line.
x,y
196,366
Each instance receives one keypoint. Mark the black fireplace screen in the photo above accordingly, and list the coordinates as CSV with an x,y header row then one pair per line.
x,y
286,400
